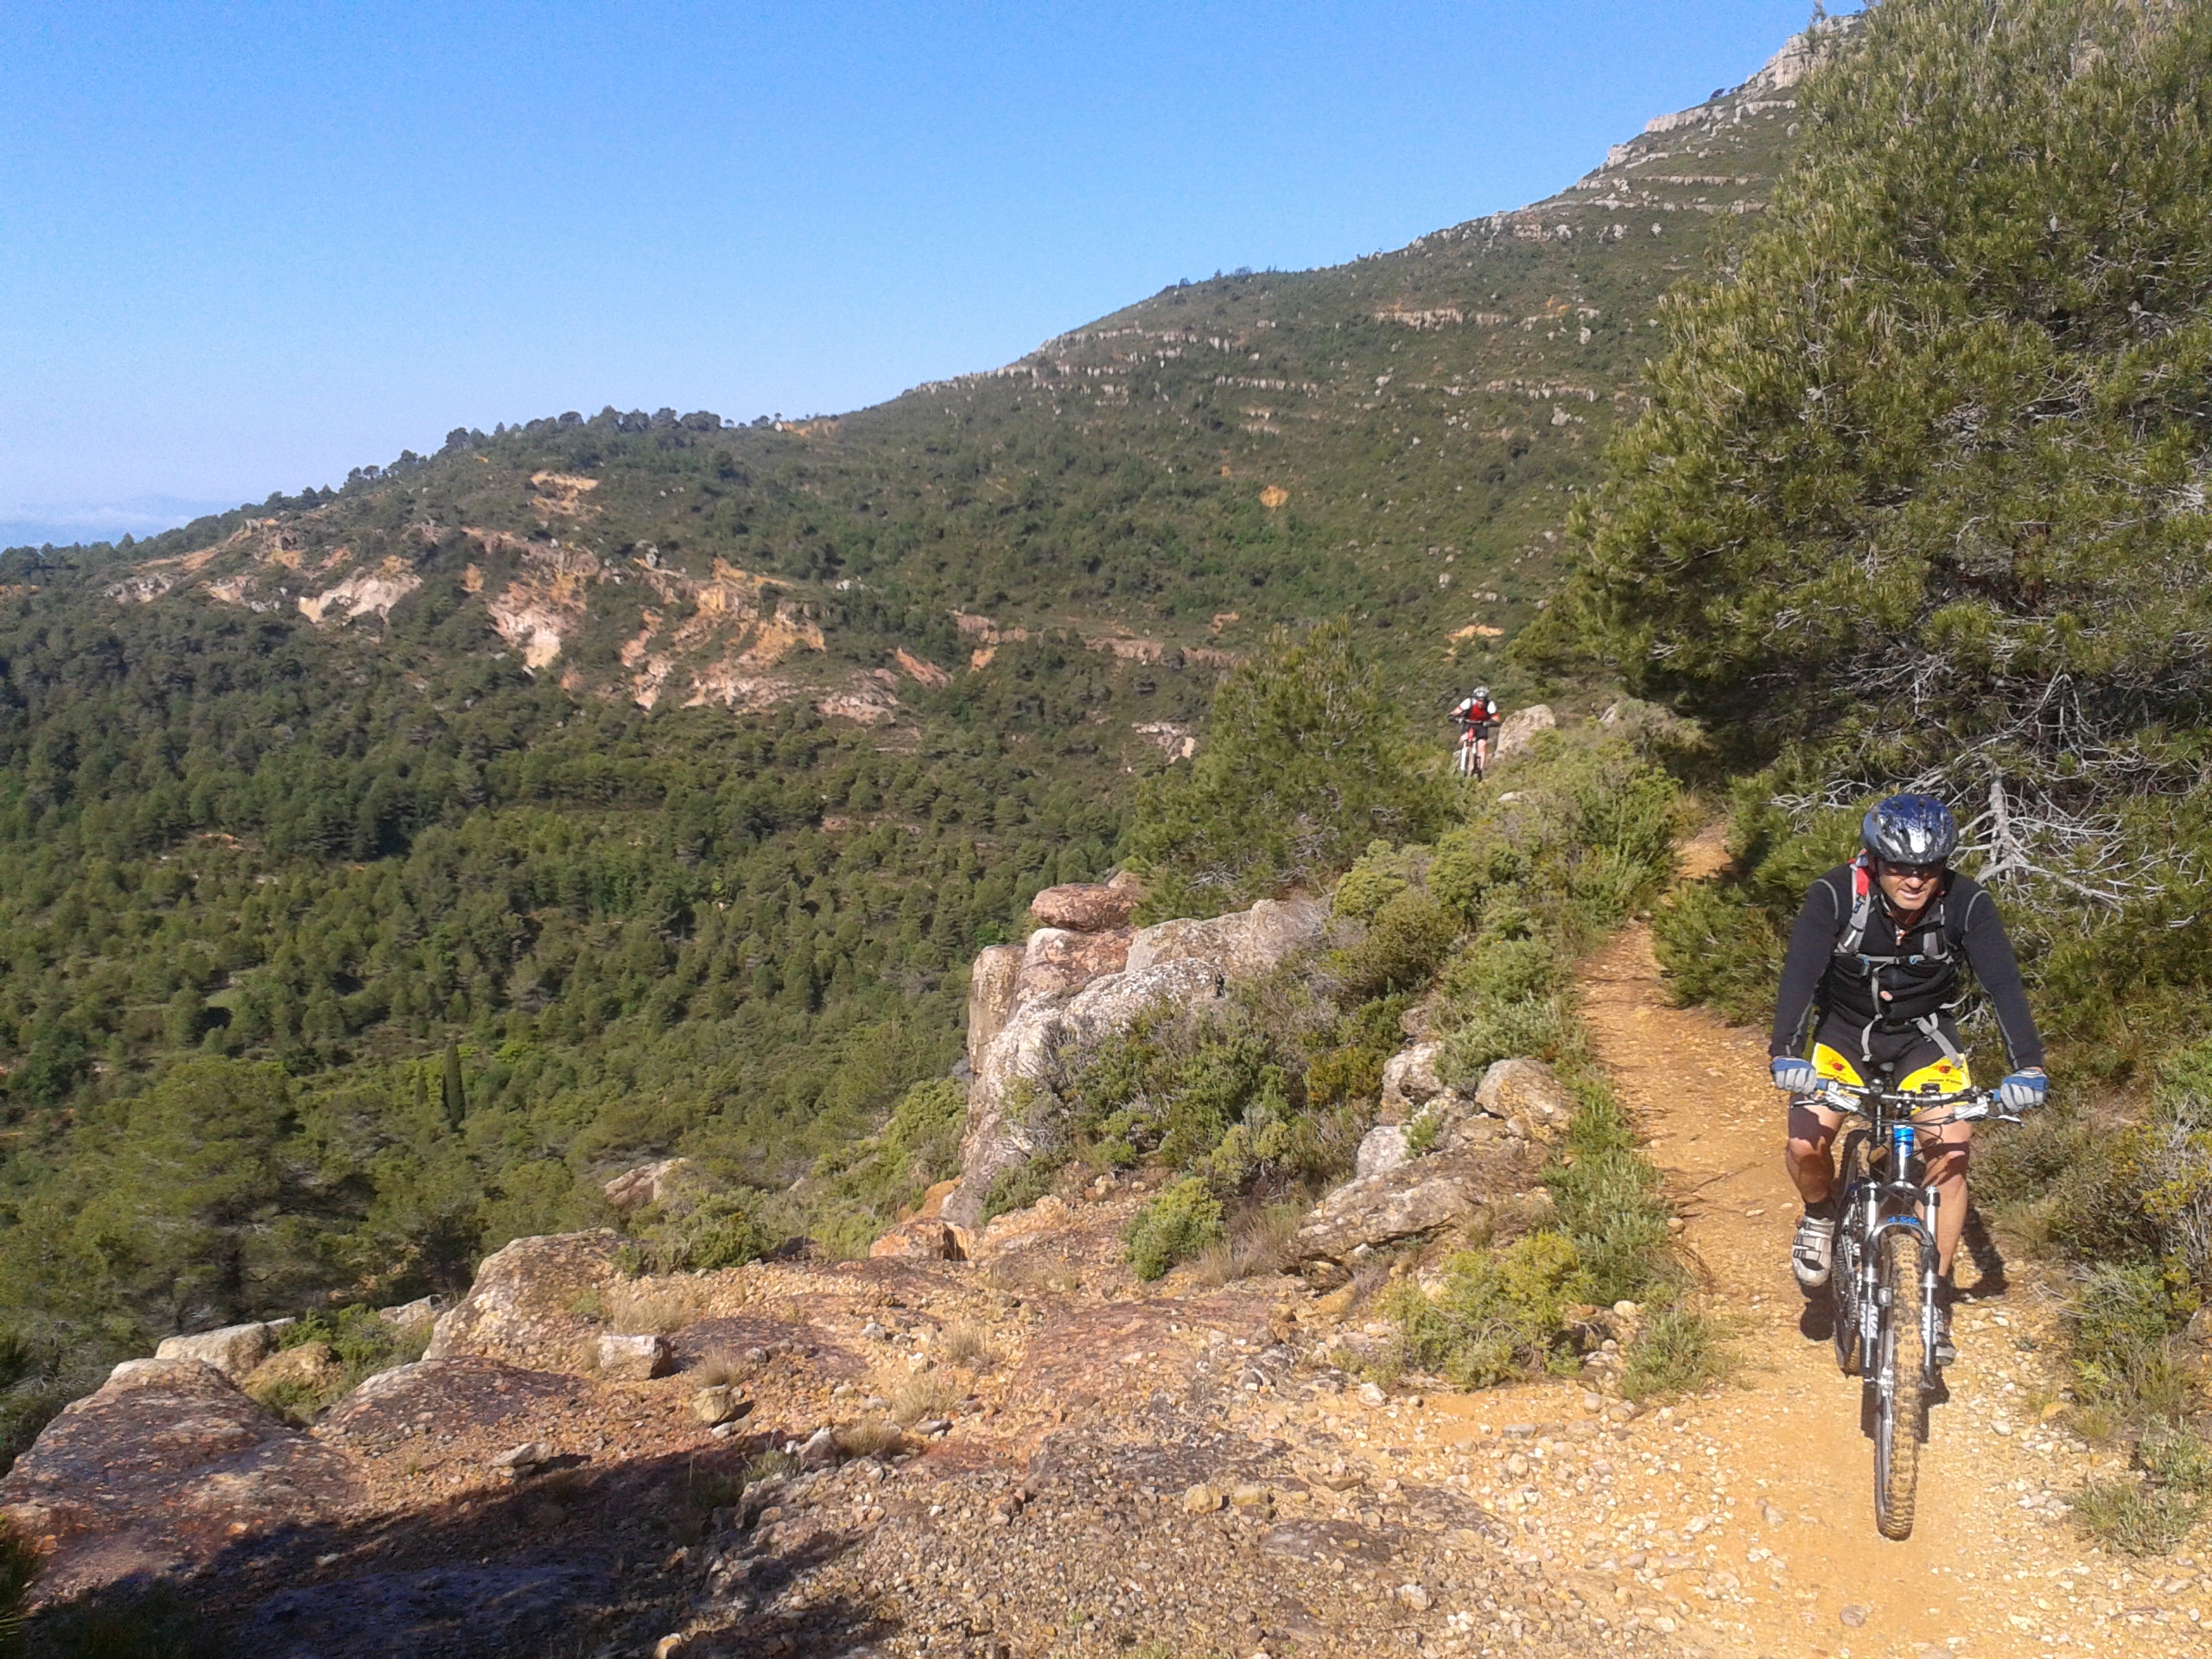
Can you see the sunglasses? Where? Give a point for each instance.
(1914, 872)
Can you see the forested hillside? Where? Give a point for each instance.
(387, 865)
(1920, 502)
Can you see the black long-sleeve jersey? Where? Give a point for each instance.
(1895, 979)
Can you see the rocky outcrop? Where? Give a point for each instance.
(1074, 988)
(456, 1395)
(1528, 1097)
(633, 1189)
(990, 997)
(234, 1349)
(519, 1308)
(1382, 1148)
(1243, 944)
(1519, 729)
(1408, 1200)
(158, 1471)
(1410, 1079)
(1030, 1049)
(1059, 962)
(1088, 906)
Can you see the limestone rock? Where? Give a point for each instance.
(1059, 963)
(521, 1457)
(518, 1309)
(449, 1394)
(1420, 1196)
(234, 1350)
(720, 1404)
(923, 1238)
(990, 996)
(1086, 906)
(1382, 1148)
(1527, 1094)
(634, 1359)
(1040, 1033)
(633, 1189)
(1202, 1500)
(1518, 730)
(151, 1474)
(423, 1310)
(1409, 1079)
(1243, 944)
(313, 1366)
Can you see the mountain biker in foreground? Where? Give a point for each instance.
(1875, 956)
(1477, 719)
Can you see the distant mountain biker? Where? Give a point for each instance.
(1477, 719)
(1873, 965)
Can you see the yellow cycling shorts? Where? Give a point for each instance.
(1947, 1074)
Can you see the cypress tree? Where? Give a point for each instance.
(456, 1097)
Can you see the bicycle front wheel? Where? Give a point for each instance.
(1901, 1407)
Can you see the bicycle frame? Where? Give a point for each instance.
(1874, 1208)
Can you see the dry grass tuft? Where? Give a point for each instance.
(965, 1344)
(922, 1397)
(717, 1368)
(653, 1308)
(870, 1437)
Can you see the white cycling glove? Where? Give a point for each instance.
(2023, 1090)
(1795, 1077)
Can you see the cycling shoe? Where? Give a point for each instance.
(1812, 1253)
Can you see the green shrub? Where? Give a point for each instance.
(2134, 1516)
(1494, 968)
(1679, 1351)
(695, 1231)
(1380, 875)
(1019, 1187)
(1172, 1226)
(2176, 1457)
(1719, 951)
(1497, 1313)
(2121, 1325)
(1612, 1204)
(1542, 1027)
(1410, 935)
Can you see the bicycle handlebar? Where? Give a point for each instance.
(1968, 1106)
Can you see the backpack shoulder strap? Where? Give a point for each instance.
(1862, 907)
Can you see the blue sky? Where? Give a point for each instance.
(247, 247)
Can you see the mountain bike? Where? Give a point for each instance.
(1884, 1281)
(1469, 761)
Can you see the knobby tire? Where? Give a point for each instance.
(1901, 1406)
(1843, 1271)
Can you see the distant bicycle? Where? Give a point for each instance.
(1885, 1279)
(1468, 763)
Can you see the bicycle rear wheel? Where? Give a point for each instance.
(1901, 1407)
(1843, 1273)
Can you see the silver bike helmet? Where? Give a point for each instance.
(1910, 829)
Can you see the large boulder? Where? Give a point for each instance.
(1528, 1096)
(1243, 944)
(1059, 963)
(518, 1310)
(160, 1470)
(1087, 906)
(1518, 729)
(1411, 1199)
(234, 1349)
(447, 1397)
(1031, 1049)
(1382, 1148)
(990, 996)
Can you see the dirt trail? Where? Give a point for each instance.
(1993, 1566)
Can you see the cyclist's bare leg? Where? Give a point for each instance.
(1947, 1172)
(1482, 754)
(1808, 1158)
